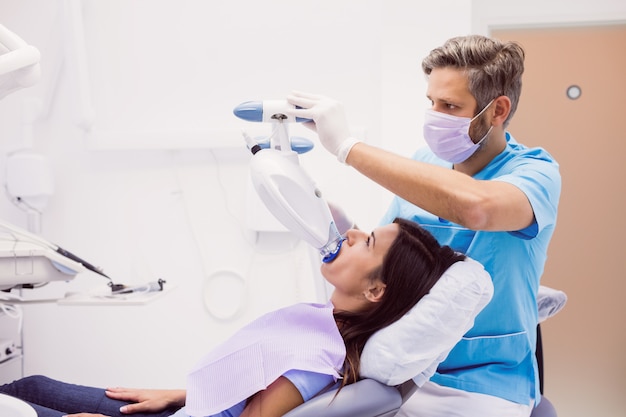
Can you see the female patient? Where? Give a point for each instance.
(377, 278)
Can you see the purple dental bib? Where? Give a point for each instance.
(302, 336)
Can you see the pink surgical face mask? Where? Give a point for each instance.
(448, 136)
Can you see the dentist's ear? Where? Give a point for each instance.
(502, 108)
(375, 293)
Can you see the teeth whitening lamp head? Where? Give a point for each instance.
(284, 186)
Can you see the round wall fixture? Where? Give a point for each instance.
(573, 92)
(224, 294)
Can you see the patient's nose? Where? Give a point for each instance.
(355, 235)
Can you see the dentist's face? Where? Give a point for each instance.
(361, 253)
(448, 91)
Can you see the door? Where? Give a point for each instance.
(573, 104)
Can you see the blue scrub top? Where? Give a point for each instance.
(496, 357)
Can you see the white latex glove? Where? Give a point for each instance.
(342, 221)
(331, 124)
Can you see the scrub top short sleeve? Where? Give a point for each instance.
(309, 383)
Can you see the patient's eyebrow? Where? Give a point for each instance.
(373, 240)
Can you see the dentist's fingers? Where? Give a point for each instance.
(330, 120)
(305, 95)
(304, 100)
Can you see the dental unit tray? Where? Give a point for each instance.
(28, 260)
(25, 264)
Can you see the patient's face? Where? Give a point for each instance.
(359, 256)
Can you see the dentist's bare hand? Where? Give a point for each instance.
(330, 121)
(147, 400)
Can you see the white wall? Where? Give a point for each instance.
(490, 14)
(173, 206)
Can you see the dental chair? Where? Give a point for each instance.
(549, 302)
(12, 407)
(370, 398)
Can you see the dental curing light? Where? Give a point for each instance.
(266, 111)
(283, 185)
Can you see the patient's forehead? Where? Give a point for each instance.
(384, 236)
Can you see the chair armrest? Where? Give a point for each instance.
(549, 302)
(365, 398)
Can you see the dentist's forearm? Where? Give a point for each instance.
(456, 197)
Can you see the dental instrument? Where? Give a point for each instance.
(283, 185)
(140, 289)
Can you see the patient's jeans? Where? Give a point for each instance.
(52, 398)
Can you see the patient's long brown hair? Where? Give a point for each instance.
(413, 264)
